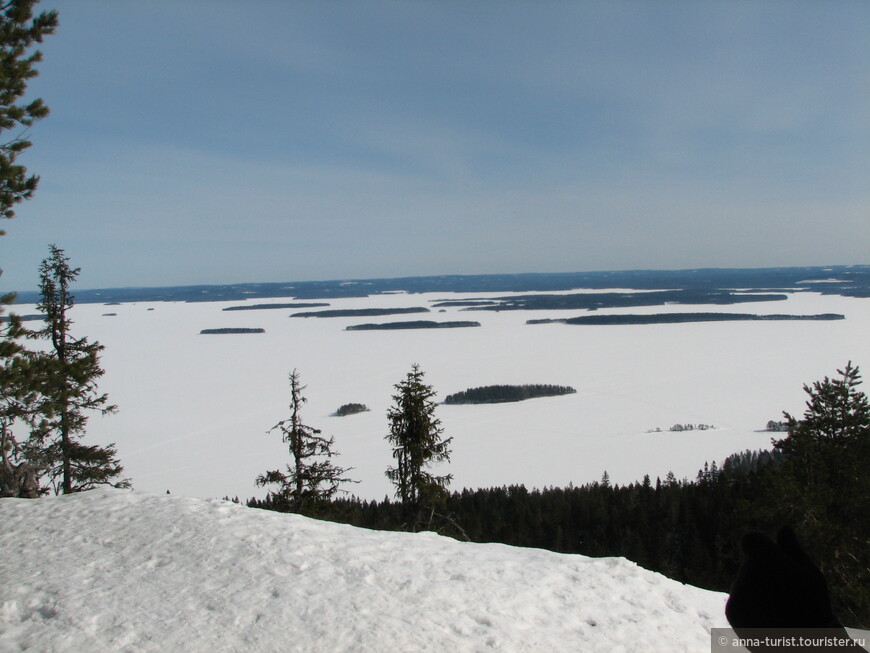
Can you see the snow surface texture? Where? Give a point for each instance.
(121, 570)
(194, 410)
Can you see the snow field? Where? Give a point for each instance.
(194, 409)
(120, 570)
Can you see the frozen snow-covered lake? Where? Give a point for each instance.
(194, 409)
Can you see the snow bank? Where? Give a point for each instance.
(118, 570)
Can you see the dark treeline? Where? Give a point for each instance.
(689, 530)
(492, 394)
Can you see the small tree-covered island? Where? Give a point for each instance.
(230, 330)
(495, 394)
(413, 324)
(361, 312)
(267, 307)
(351, 409)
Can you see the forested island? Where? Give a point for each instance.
(595, 301)
(678, 428)
(415, 324)
(225, 330)
(30, 317)
(494, 394)
(362, 312)
(351, 409)
(265, 307)
(681, 318)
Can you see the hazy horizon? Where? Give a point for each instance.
(340, 280)
(194, 143)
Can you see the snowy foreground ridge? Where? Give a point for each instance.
(120, 570)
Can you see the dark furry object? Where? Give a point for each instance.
(778, 586)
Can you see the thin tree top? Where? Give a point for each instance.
(55, 278)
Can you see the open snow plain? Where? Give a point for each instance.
(194, 409)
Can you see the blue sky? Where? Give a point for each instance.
(275, 140)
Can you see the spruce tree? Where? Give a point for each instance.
(311, 479)
(19, 30)
(19, 403)
(66, 378)
(824, 486)
(835, 426)
(416, 438)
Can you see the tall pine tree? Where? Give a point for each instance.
(416, 438)
(824, 486)
(311, 479)
(66, 379)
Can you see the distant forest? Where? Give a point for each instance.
(682, 318)
(493, 394)
(846, 280)
(689, 530)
